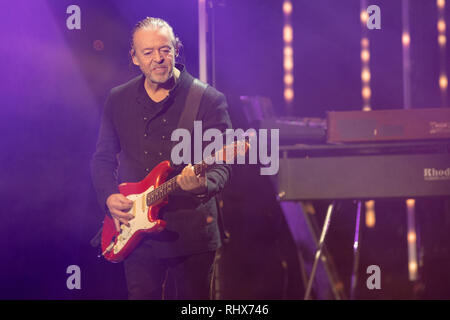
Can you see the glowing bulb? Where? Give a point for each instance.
(370, 205)
(365, 55)
(406, 40)
(364, 42)
(288, 65)
(370, 219)
(412, 266)
(443, 82)
(287, 34)
(367, 108)
(365, 75)
(411, 237)
(287, 7)
(288, 94)
(287, 51)
(366, 93)
(440, 4)
(442, 40)
(288, 79)
(441, 26)
(364, 16)
(410, 203)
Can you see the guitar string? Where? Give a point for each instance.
(171, 185)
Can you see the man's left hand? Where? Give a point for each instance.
(189, 181)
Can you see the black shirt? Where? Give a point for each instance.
(135, 136)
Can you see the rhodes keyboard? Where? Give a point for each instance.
(364, 171)
(297, 130)
(388, 125)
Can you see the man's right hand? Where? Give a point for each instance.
(118, 206)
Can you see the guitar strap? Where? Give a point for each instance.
(188, 116)
(186, 121)
(192, 104)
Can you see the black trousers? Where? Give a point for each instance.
(188, 277)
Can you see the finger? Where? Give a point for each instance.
(190, 181)
(180, 180)
(122, 206)
(184, 183)
(125, 200)
(184, 172)
(188, 170)
(117, 224)
(120, 214)
(192, 171)
(125, 207)
(124, 221)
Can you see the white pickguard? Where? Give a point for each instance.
(140, 221)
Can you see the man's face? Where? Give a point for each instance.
(154, 54)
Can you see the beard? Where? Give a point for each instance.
(158, 76)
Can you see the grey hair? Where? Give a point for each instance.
(154, 24)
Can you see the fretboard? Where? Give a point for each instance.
(171, 185)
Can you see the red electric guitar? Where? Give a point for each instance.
(148, 196)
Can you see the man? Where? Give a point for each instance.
(138, 119)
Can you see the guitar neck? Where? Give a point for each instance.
(171, 185)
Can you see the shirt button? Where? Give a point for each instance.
(145, 152)
(164, 120)
(163, 137)
(145, 135)
(160, 153)
(145, 118)
(147, 169)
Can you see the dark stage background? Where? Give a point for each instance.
(54, 82)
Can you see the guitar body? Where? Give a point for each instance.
(149, 196)
(116, 246)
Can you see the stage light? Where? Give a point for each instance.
(406, 40)
(287, 34)
(442, 41)
(288, 65)
(370, 219)
(288, 94)
(365, 75)
(364, 43)
(370, 214)
(287, 51)
(287, 7)
(412, 236)
(364, 17)
(441, 25)
(288, 79)
(288, 56)
(443, 82)
(412, 267)
(366, 93)
(365, 55)
(411, 239)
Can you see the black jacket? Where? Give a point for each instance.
(135, 136)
